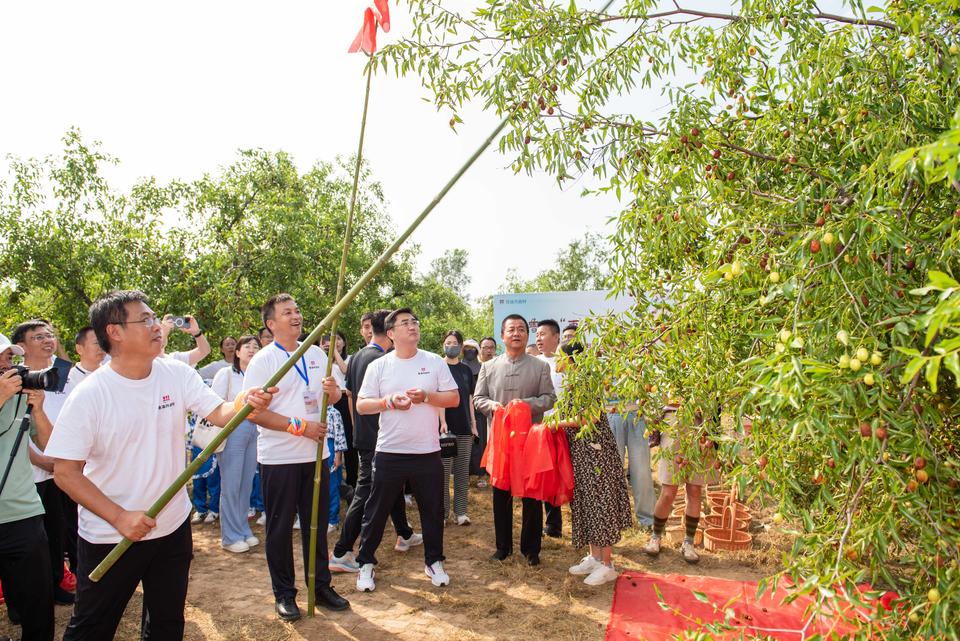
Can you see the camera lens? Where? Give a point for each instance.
(45, 379)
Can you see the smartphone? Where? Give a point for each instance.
(180, 321)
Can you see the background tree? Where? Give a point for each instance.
(777, 237)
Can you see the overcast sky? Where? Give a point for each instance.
(174, 89)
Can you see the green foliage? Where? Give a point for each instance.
(216, 247)
(779, 213)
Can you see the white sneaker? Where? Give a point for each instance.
(262, 520)
(331, 528)
(688, 553)
(296, 523)
(408, 499)
(197, 518)
(653, 546)
(602, 574)
(252, 540)
(405, 544)
(238, 547)
(463, 519)
(438, 576)
(251, 514)
(212, 517)
(345, 563)
(365, 578)
(587, 565)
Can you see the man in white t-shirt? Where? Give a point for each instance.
(118, 445)
(289, 435)
(408, 388)
(548, 340)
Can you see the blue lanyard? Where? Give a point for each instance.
(304, 373)
(377, 347)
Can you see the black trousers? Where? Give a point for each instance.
(353, 521)
(479, 445)
(531, 531)
(554, 516)
(52, 499)
(162, 565)
(351, 459)
(287, 493)
(70, 530)
(424, 472)
(25, 575)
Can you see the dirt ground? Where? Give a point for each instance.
(230, 597)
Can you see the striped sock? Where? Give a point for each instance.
(659, 526)
(690, 524)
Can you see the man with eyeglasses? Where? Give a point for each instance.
(118, 445)
(408, 388)
(39, 343)
(24, 554)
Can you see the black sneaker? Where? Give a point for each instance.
(533, 560)
(499, 555)
(287, 609)
(552, 532)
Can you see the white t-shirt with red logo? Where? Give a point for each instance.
(280, 448)
(130, 433)
(416, 430)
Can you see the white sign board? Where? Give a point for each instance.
(567, 308)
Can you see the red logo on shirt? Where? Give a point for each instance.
(165, 402)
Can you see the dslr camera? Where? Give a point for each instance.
(51, 379)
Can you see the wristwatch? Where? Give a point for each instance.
(198, 334)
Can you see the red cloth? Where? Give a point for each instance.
(637, 614)
(549, 468)
(366, 40)
(503, 459)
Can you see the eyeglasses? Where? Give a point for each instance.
(410, 322)
(149, 321)
(39, 338)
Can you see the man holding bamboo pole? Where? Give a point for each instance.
(290, 434)
(117, 443)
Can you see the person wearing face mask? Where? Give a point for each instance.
(460, 422)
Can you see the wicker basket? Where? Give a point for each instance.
(727, 537)
(718, 521)
(676, 533)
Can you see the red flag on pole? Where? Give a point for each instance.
(383, 14)
(366, 40)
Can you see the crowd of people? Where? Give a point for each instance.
(401, 421)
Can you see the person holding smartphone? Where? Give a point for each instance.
(188, 325)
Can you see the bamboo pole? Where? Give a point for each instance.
(318, 471)
(334, 313)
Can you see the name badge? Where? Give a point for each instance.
(311, 404)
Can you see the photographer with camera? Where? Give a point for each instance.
(39, 344)
(117, 447)
(188, 325)
(24, 555)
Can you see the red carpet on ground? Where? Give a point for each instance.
(637, 614)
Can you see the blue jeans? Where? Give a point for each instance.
(333, 513)
(238, 463)
(206, 483)
(256, 494)
(628, 431)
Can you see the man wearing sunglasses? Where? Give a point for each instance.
(118, 444)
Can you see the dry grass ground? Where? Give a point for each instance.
(230, 597)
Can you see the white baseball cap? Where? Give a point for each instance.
(5, 344)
